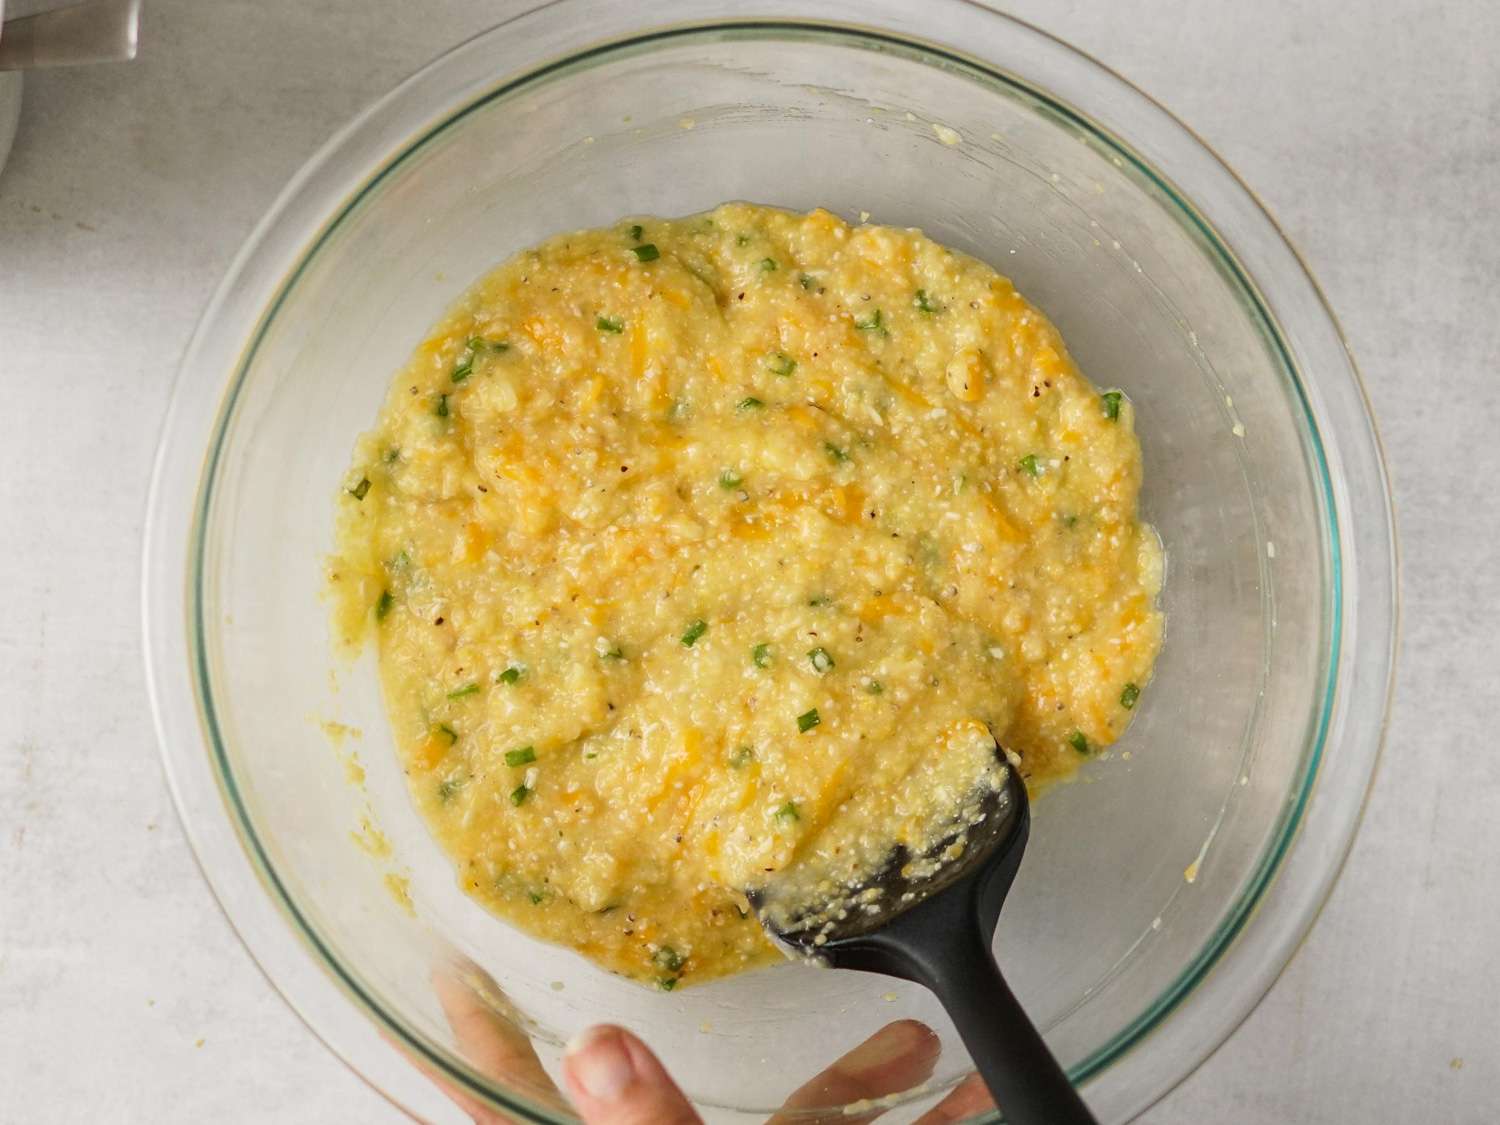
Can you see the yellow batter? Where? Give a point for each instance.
(709, 549)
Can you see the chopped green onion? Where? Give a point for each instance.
(445, 732)
(875, 323)
(1078, 742)
(467, 689)
(616, 653)
(666, 984)
(609, 324)
(768, 264)
(781, 364)
(518, 797)
(924, 303)
(729, 478)
(441, 409)
(449, 789)
(807, 281)
(1129, 696)
(693, 632)
(647, 253)
(1112, 405)
(383, 605)
(668, 958)
(788, 811)
(636, 231)
(536, 897)
(807, 720)
(1070, 521)
(359, 490)
(839, 455)
(479, 344)
(751, 403)
(464, 369)
(741, 239)
(875, 687)
(392, 455)
(521, 757)
(818, 600)
(510, 675)
(741, 757)
(1030, 465)
(820, 660)
(761, 655)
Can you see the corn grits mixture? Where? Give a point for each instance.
(704, 550)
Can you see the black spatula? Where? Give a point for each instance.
(935, 928)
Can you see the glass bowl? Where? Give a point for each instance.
(1162, 892)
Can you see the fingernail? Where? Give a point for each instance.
(599, 1063)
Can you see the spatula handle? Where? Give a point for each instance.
(948, 956)
(1028, 1085)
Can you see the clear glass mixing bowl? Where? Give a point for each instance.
(1161, 894)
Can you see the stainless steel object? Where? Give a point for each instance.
(90, 32)
(10, 112)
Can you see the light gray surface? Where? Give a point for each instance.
(1369, 128)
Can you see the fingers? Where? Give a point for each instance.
(897, 1057)
(616, 1080)
(969, 1099)
(476, 1109)
(490, 1042)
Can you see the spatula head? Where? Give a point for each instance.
(979, 855)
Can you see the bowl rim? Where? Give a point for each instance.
(182, 481)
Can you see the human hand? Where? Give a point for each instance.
(612, 1078)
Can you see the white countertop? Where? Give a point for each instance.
(1370, 129)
